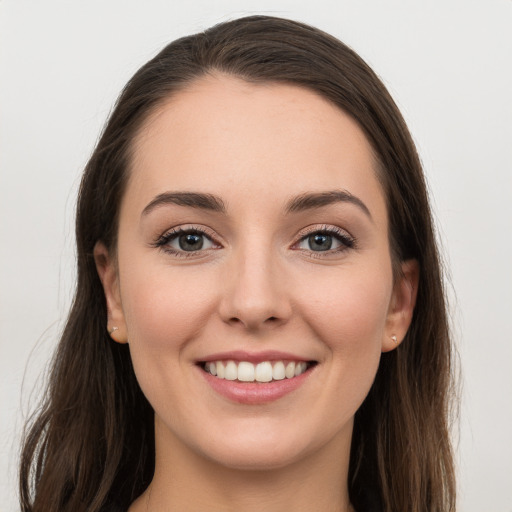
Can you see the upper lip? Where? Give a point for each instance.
(253, 357)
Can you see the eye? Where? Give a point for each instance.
(318, 242)
(182, 241)
(323, 240)
(190, 241)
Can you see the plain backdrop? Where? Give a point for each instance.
(447, 63)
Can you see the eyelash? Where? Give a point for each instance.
(346, 240)
(164, 240)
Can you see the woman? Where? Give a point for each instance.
(259, 318)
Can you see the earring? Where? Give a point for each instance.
(111, 331)
(394, 340)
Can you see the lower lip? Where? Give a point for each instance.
(255, 392)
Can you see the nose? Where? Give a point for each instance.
(255, 293)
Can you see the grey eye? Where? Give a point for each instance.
(192, 241)
(319, 241)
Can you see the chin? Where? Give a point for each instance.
(267, 447)
(257, 457)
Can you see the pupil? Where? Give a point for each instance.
(191, 242)
(320, 242)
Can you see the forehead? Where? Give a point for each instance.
(273, 139)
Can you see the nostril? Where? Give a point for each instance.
(234, 320)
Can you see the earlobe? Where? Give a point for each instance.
(107, 272)
(402, 304)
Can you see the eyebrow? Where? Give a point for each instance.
(313, 200)
(303, 202)
(192, 199)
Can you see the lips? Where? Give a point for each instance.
(255, 378)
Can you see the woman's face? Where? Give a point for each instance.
(253, 238)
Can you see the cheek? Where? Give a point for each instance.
(348, 310)
(164, 309)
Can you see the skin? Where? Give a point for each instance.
(257, 286)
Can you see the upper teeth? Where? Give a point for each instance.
(265, 371)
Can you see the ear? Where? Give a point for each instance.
(401, 307)
(107, 271)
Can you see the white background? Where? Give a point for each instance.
(447, 63)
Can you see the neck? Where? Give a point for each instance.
(187, 481)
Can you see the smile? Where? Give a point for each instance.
(265, 371)
(255, 378)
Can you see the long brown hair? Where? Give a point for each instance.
(91, 448)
